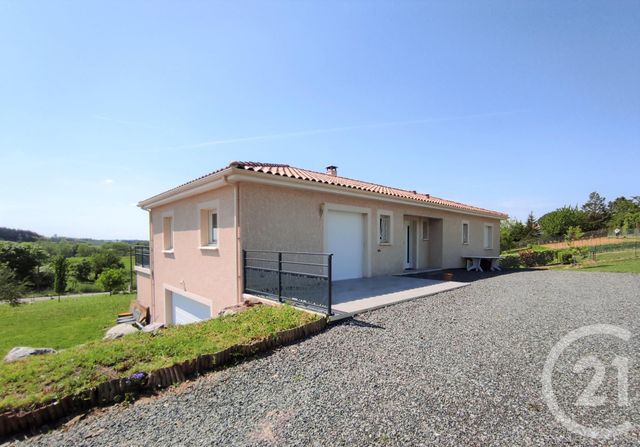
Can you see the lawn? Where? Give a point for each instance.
(621, 261)
(44, 378)
(63, 324)
(621, 265)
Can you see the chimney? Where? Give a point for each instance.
(332, 170)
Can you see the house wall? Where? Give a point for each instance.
(287, 219)
(209, 275)
(143, 288)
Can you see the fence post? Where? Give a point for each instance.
(329, 276)
(280, 276)
(130, 269)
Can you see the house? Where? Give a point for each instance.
(292, 232)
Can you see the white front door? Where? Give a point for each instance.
(409, 247)
(345, 239)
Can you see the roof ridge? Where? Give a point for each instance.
(365, 181)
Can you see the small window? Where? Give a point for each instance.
(465, 233)
(488, 236)
(213, 227)
(385, 229)
(167, 232)
(425, 230)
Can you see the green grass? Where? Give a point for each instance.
(44, 378)
(624, 266)
(620, 261)
(58, 325)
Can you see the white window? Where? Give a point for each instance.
(209, 224)
(425, 230)
(488, 236)
(465, 233)
(167, 233)
(213, 227)
(385, 229)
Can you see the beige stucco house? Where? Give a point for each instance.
(205, 232)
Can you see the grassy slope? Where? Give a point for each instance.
(61, 324)
(622, 261)
(43, 378)
(613, 265)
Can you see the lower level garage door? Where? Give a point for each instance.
(185, 310)
(345, 239)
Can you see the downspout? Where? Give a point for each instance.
(239, 267)
(153, 276)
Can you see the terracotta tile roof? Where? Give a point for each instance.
(283, 170)
(318, 177)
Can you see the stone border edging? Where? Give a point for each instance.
(16, 421)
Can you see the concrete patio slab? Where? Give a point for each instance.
(354, 296)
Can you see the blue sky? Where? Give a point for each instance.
(510, 105)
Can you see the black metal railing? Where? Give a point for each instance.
(141, 254)
(302, 278)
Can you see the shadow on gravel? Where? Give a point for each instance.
(462, 275)
(359, 323)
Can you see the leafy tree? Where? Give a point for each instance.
(119, 248)
(624, 213)
(82, 270)
(512, 231)
(105, 259)
(113, 280)
(85, 250)
(22, 258)
(532, 230)
(573, 234)
(60, 266)
(10, 287)
(556, 223)
(596, 212)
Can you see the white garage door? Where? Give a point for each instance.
(345, 239)
(185, 310)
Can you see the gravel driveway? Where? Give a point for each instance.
(459, 368)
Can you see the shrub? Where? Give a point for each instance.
(510, 262)
(566, 256)
(82, 270)
(105, 260)
(113, 280)
(531, 258)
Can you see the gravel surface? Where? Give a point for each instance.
(459, 368)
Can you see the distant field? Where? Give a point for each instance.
(590, 242)
(63, 324)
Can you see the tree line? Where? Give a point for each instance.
(570, 222)
(63, 266)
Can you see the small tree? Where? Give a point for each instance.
(113, 280)
(60, 266)
(82, 270)
(573, 234)
(105, 259)
(10, 287)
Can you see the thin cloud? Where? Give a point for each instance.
(329, 130)
(108, 182)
